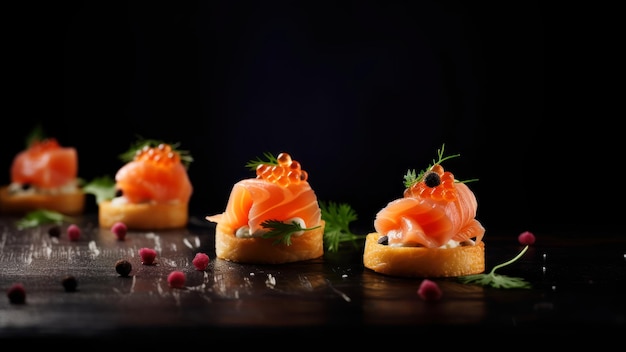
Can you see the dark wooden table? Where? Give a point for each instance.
(579, 289)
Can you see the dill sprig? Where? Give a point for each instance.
(282, 231)
(270, 159)
(337, 228)
(37, 134)
(496, 280)
(129, 155)
(412, 177)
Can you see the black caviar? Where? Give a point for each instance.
(432, 179)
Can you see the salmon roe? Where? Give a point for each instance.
(161, 154)
(288, 171)
(44, 145)
(436, 184)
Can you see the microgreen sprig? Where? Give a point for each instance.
(41, 217)
(282, 231)
(496, 280)
(337, 228)
(270, 159)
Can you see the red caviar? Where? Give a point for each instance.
(288, 171)
(442, 189)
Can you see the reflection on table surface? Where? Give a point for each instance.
(577, 283)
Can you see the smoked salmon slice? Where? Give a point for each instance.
(435, 210)
(45, 164)
(280, 192)
(254, 201)
(155, 174)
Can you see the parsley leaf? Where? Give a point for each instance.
(40, 217)
(498, 281)
(337, 229)
(103, 188)
(283, 231)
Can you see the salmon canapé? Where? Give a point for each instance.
(436, 211)
(156, 174)
(45, 165)
(280, 193)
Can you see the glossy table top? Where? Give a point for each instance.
(577, 284)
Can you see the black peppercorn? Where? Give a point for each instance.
(123, 267)
(54, 231)
(17, 294)
(69, 283)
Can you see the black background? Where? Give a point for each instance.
(357, 92)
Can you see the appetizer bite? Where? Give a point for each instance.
(150, 192)
(44, 176)
(431, 231)
(271, 219)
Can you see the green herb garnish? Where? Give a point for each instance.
(270, 160)
(103, 188)
(337, 228)
(412, 177)
(36, 135)
(283, 231)
(495, 280)
(41, 217)
(129, 155)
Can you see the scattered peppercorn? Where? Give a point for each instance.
(69, 283)
(429, 291)
(119, 229)
(17, 294)
(73, 232)
(526, 238)
(123, 267)
(147, 256)
(176, 279)
(54, 231)
(201, 261)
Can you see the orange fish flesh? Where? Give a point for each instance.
(253, 201)
(431, 216)
(156, 174)
(46, 165)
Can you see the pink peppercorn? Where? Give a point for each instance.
(73, 232)
(429, 291)
(119, 229)
(17, 294)
(201, 261)
(526, 238)
(176, 279)
(147, 256)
